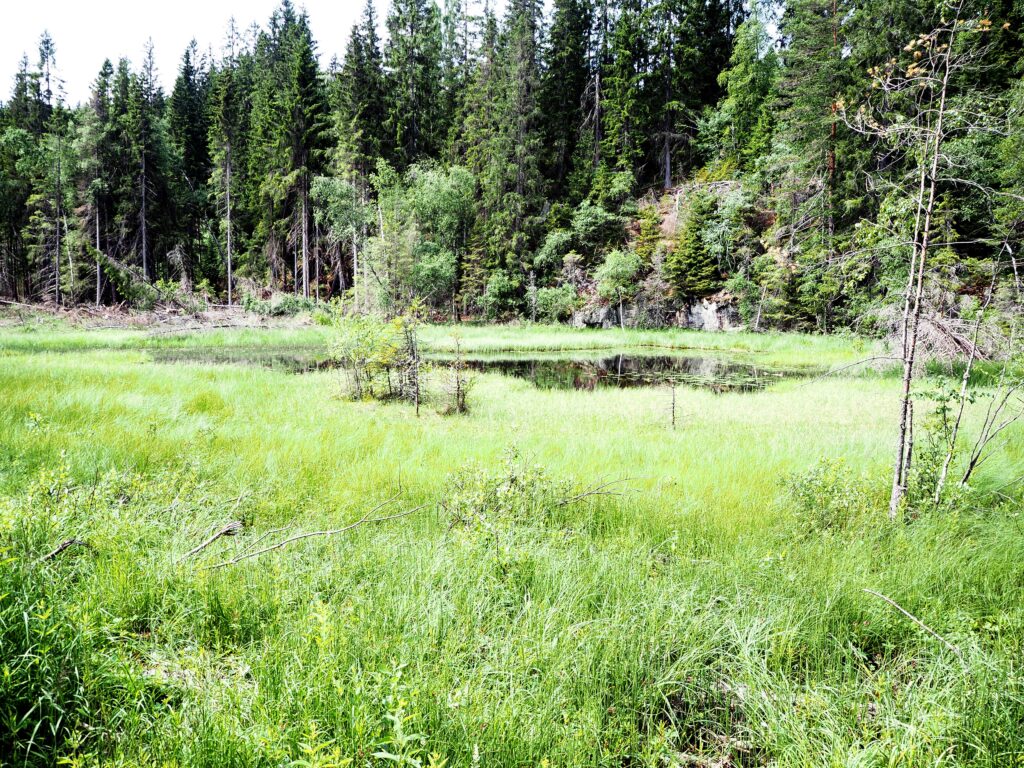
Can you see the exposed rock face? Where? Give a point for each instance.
(596, 317)
(714, 313)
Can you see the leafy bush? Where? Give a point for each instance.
(433, 274)
(551, 253)
(555, 305)
(486, 502)
(279, 305)
(379, 357)
(828, 497)
(501, 297)
(617, 276)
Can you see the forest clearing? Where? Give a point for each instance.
(568, 577)
(512, 384)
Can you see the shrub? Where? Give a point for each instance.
(486, 502)
(552, 252)
(555, 305)
(828, 498)
(279, 305)
(501, 297)
(379, 357)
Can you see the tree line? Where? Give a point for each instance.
(640, 153)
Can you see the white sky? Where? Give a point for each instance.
(87, 32)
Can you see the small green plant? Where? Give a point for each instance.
(485, 503)
(828, 497)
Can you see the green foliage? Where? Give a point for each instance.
(501, 297)
(514, 139)
(378, 357)
(617, 276)
(279, 305)
(434, 273)
(741, 128)
(540, 615)
(649, 235)
(46, 661)
(556, 305)
(828, 498)
(594, 228)
(691, 267)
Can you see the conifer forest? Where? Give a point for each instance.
(517, 384)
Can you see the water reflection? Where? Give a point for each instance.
(718, 373)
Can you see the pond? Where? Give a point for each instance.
(566, 371)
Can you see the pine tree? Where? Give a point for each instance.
(414, 76)
(563, 88)
(360, 110)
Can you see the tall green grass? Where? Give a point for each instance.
(709, 615)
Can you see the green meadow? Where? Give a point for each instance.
(567, 580)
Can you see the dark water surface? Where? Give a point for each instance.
(719, 373)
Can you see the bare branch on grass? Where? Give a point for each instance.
(364, 520)
(917, 621)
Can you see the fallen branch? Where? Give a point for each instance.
(60, 550)
(917, 621)
(364, 520)
(262, 538)
(596, 491)
(834, 371)
(230, 529)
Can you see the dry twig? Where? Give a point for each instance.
(60, 550)
(916, 620)
(365, 519)
(230, 529)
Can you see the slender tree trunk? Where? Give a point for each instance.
(912, 317)
(227, 191)
(305, 241)
(142, 220)
(99, 271)
(355, 273)
(57, 221)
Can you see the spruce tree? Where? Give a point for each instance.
(413, 56)
(360, 109)
(189, 123)
(690, 267)
(566, 76)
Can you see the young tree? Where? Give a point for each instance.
(922, 105)
(690, 267)
(617, 279)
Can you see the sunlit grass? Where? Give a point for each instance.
(698, 617)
